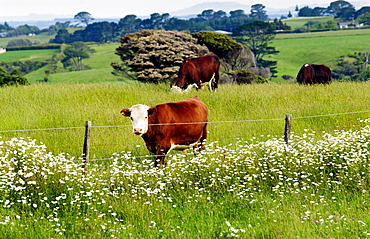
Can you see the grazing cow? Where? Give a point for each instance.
(174, 125)
(198, 71)
(314, 74)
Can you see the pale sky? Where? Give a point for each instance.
(121, 8)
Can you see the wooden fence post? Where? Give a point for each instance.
(288, 121)
(86, 149)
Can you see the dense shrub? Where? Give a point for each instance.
(155, 56)
(14, 78)
(246, 77)
(234, 56)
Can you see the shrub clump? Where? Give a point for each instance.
(246, 77)
(155, 55)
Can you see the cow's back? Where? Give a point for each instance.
(322, 73)
(179, 122)
(306, 74)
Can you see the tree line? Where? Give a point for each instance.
(341, 10)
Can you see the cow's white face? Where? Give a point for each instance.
(139, 118)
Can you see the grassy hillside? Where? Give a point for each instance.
(28, 55)
(41, 38)
(318, 47)
(100, 68)
(297, 22)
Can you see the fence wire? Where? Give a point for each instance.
(209, 122)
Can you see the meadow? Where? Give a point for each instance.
(317, 48)
(247, 183)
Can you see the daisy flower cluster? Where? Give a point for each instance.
(33, 180)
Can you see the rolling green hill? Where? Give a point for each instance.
(317, 47)
(297, 22)
(295, 50)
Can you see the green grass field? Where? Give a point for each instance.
(43, 106)
(297, 22)
(246, 184)
(243, 185)
(317, 48)
(41, 38)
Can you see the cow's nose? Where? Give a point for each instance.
(138, 130)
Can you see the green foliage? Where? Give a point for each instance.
(217, 43)
(23, 30)
(353, 67)
(14, 78)
(364, 74)
(258, 12)
(74, 54)
(24, 67)
(84, 17)
(19, 42)
(257, 36)
(246, 77)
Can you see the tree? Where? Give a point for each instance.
(84, 17)
(155, 55)
(257, 36)
(19, 42)
(362, 11)
(63, 36)
(364, 18)
(207, 14)
(336, 7)
(98, 32)
(74, 54)
(14, 78)
(233, 55)
(258, 12)
(130, 23)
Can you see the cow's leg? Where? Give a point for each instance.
(203, 138)
(161, 155)
(216, 78)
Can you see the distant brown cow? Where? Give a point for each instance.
(174, 125)
(198, 71)
(314, 74)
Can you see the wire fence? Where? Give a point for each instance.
(209, 122)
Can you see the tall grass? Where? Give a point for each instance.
(234, 112)
(315, 188)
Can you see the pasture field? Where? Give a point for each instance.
(100, 68)
(263, 107)
(243, 185)
(42, 38)
(297, 22)
(28, 55)
(317, 48)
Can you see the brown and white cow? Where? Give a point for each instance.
(314, 74)
(174, 125)
(198, 71)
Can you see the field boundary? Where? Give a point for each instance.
(209, 122)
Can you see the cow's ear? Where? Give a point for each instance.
(151, 110)
(126, 112)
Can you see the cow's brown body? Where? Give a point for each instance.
(198, 71)
(314, 74)
(174, 125)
